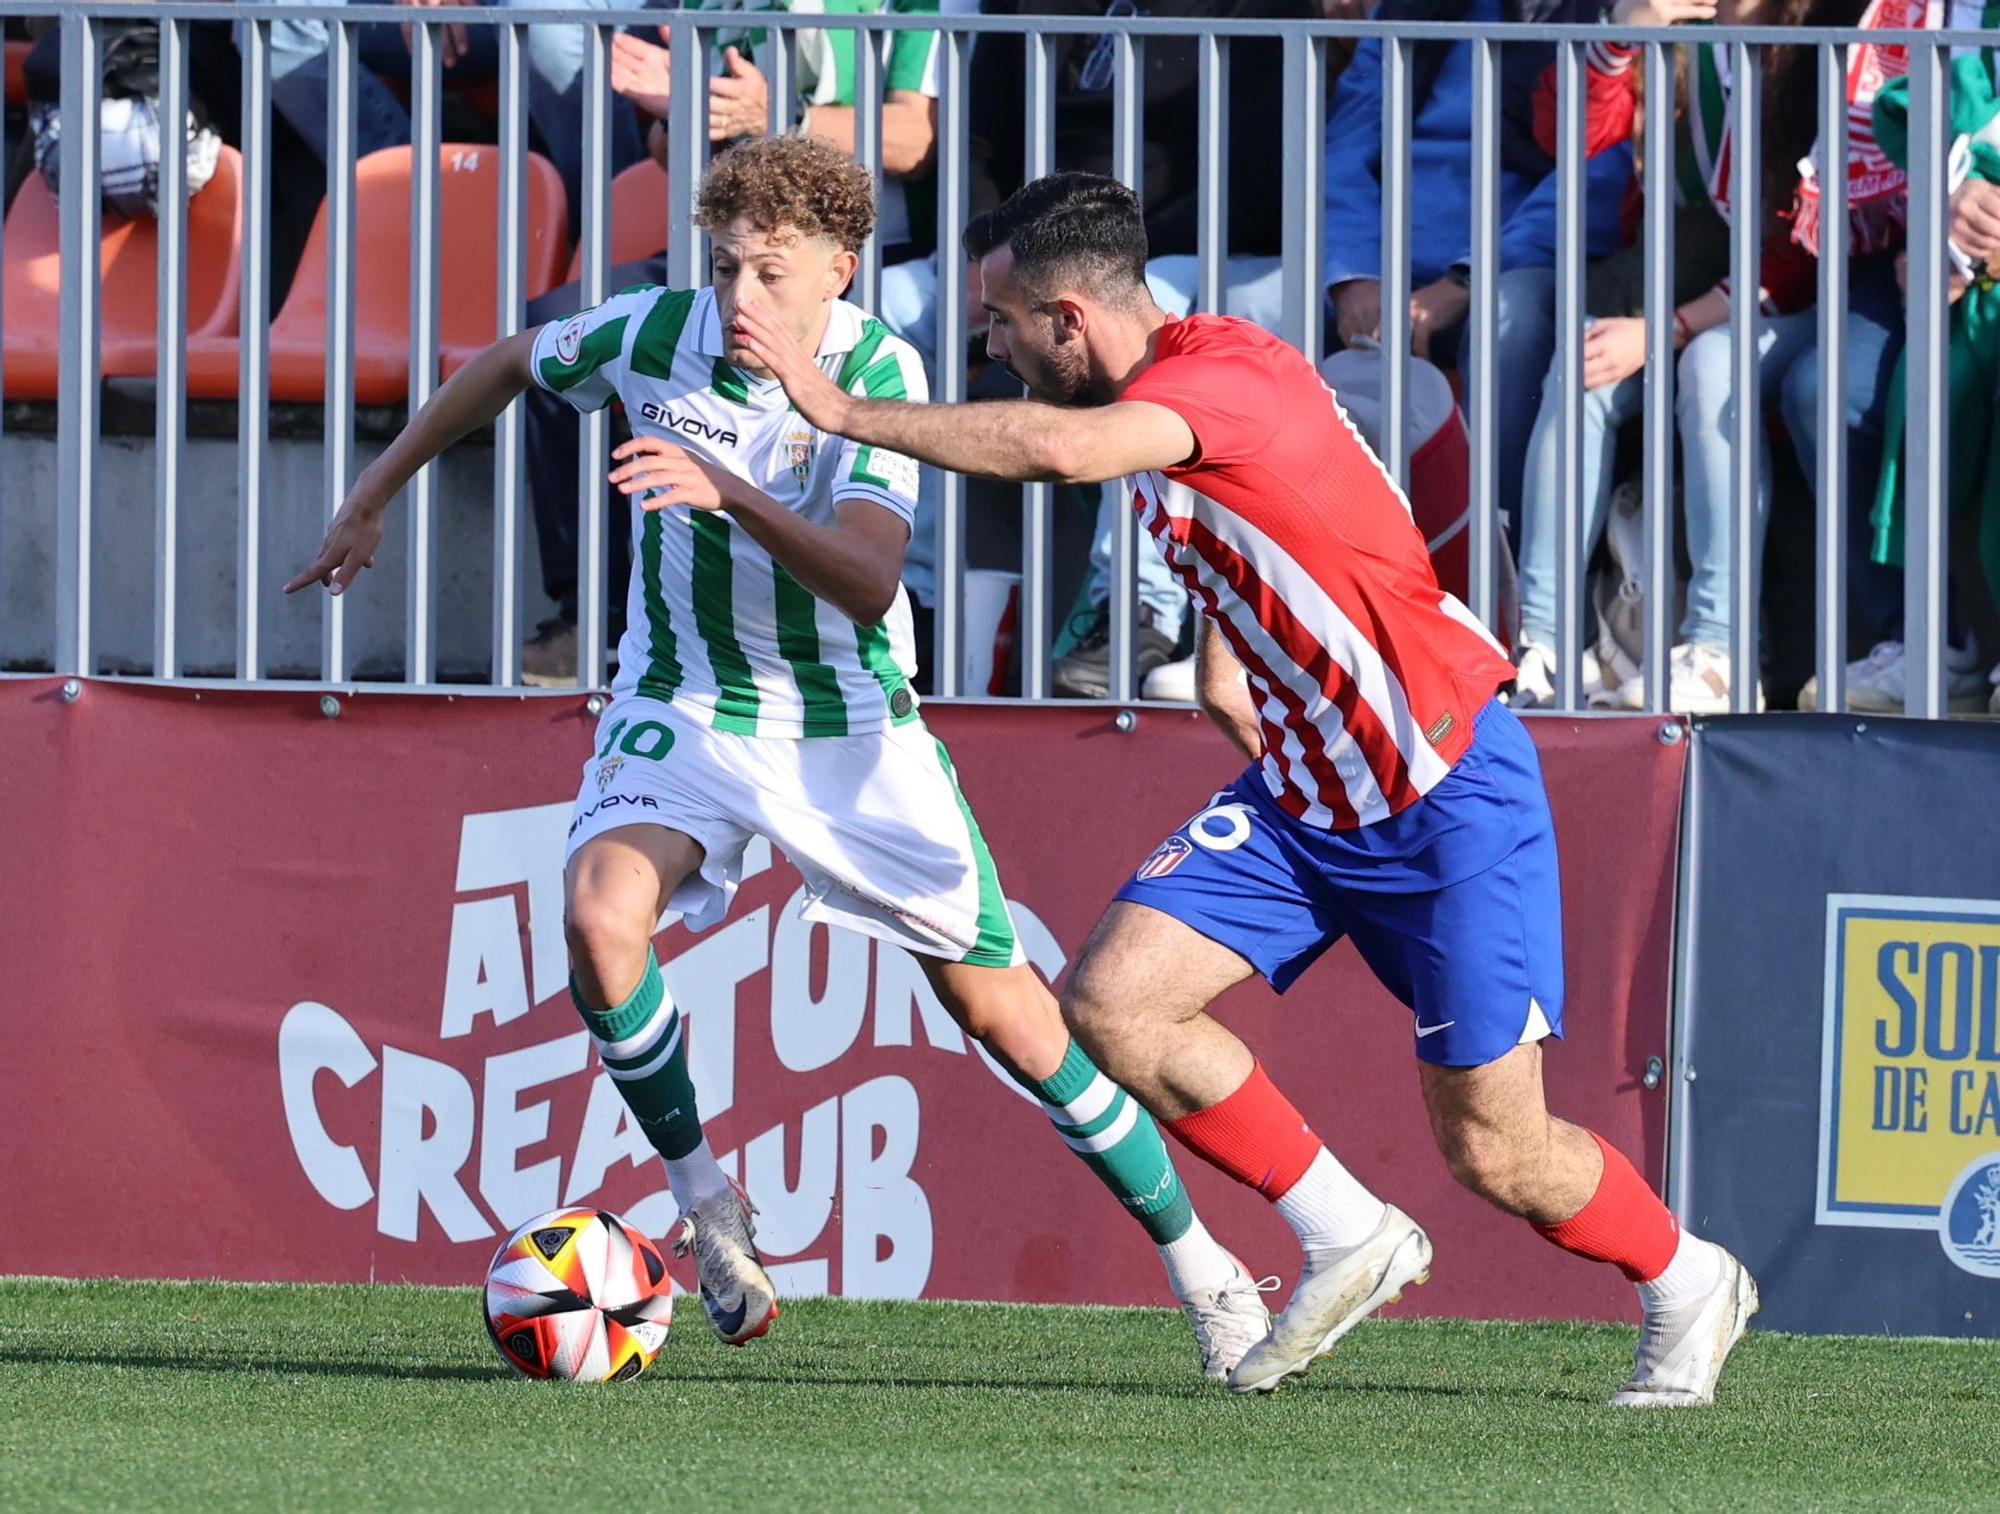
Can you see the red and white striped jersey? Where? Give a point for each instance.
(1294, 540)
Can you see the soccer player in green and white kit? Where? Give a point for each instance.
(763, 689)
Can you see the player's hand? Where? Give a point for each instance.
(1661, 12)
(739, 101)
(1613, 350)
(1435, 309)
(454, 41)
(349, 547)
(642, 72)
(816, 397)
(662, 474)
(1357, 310)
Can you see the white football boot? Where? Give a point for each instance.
(1229, 1320)
(1681, 1354)
(1332, 1300)
(737, 1292)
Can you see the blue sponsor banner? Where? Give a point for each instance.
(1837, 1066)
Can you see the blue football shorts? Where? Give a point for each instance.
(1454, 903)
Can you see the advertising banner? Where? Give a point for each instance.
(1840, 1084)
(286, 998)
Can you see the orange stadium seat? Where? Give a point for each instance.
(18, 49)
(128, 255)
(468, 229)
(639, 208)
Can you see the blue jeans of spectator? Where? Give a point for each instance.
(1705, 407)
(1525, 334)
(555, 55)
(1605, 410)
(1874, 340)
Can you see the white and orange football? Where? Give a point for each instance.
(578, 1294)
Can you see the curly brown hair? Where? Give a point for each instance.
(802, 185)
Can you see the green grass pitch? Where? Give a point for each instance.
(212, 1396)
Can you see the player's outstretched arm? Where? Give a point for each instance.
(1019, 440)
(854, 566)
(468, 400)
(1221, 691)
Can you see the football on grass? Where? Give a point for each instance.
(578, 1294)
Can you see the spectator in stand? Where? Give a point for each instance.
(555, 72)
(1083, 68)
(1875, 327)
(1705, 403)
(739, 107)
(1440, 197)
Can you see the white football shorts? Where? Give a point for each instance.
(875, 823)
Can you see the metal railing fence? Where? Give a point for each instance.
(1304, 170)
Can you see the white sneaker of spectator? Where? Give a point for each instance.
(1171, 681)
(1877, 684)
(1604, 687)
(1702, 681)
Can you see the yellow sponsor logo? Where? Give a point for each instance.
(1910, 1074)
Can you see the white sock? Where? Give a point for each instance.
(1196, 1262)
(1328, 1208)
(1690, 1276)
(695, 1177)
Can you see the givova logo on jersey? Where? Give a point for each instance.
(1910, 1071)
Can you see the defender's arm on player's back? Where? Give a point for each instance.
(469, 399)
(1019, 440)
(854, 566)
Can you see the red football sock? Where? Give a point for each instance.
(1624, 1223)
(1255, 1135)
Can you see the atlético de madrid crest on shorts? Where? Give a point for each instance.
(1171, 854)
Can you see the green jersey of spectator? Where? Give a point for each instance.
(825, 74)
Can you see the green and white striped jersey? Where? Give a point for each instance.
(826, 73)
(712, 623)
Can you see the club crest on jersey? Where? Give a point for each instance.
(1171, 854)
(608, 770)
(799, 445)
(569, 341)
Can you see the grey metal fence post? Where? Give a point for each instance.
(253, 363)
(1830, 536)
(1662, 361)
(1927, 445)
(594, 239)
(77, 401)
(1396, 276)
(170, 369)
(1572, 190)
(510, 317)
(954, 49)
(1746, 256)
(426, 146)
(1037, 617)
(341, 146)
(1128, 165)
(1482, 398)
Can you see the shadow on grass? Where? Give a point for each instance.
(671, 1370)
(158, 1361)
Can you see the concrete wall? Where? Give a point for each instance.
(294, 523)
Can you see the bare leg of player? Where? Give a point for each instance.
(1011, 1012)
(1493, 1125)
(616, 889)
(1138, 1001)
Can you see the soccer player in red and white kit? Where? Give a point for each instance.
(1390, 797)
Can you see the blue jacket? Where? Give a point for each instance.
(1441, 153)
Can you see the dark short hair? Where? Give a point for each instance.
(1075, 230)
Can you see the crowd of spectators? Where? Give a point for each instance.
(1708, 192)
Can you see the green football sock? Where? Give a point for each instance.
(641, 1044)
(1118, 1141)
